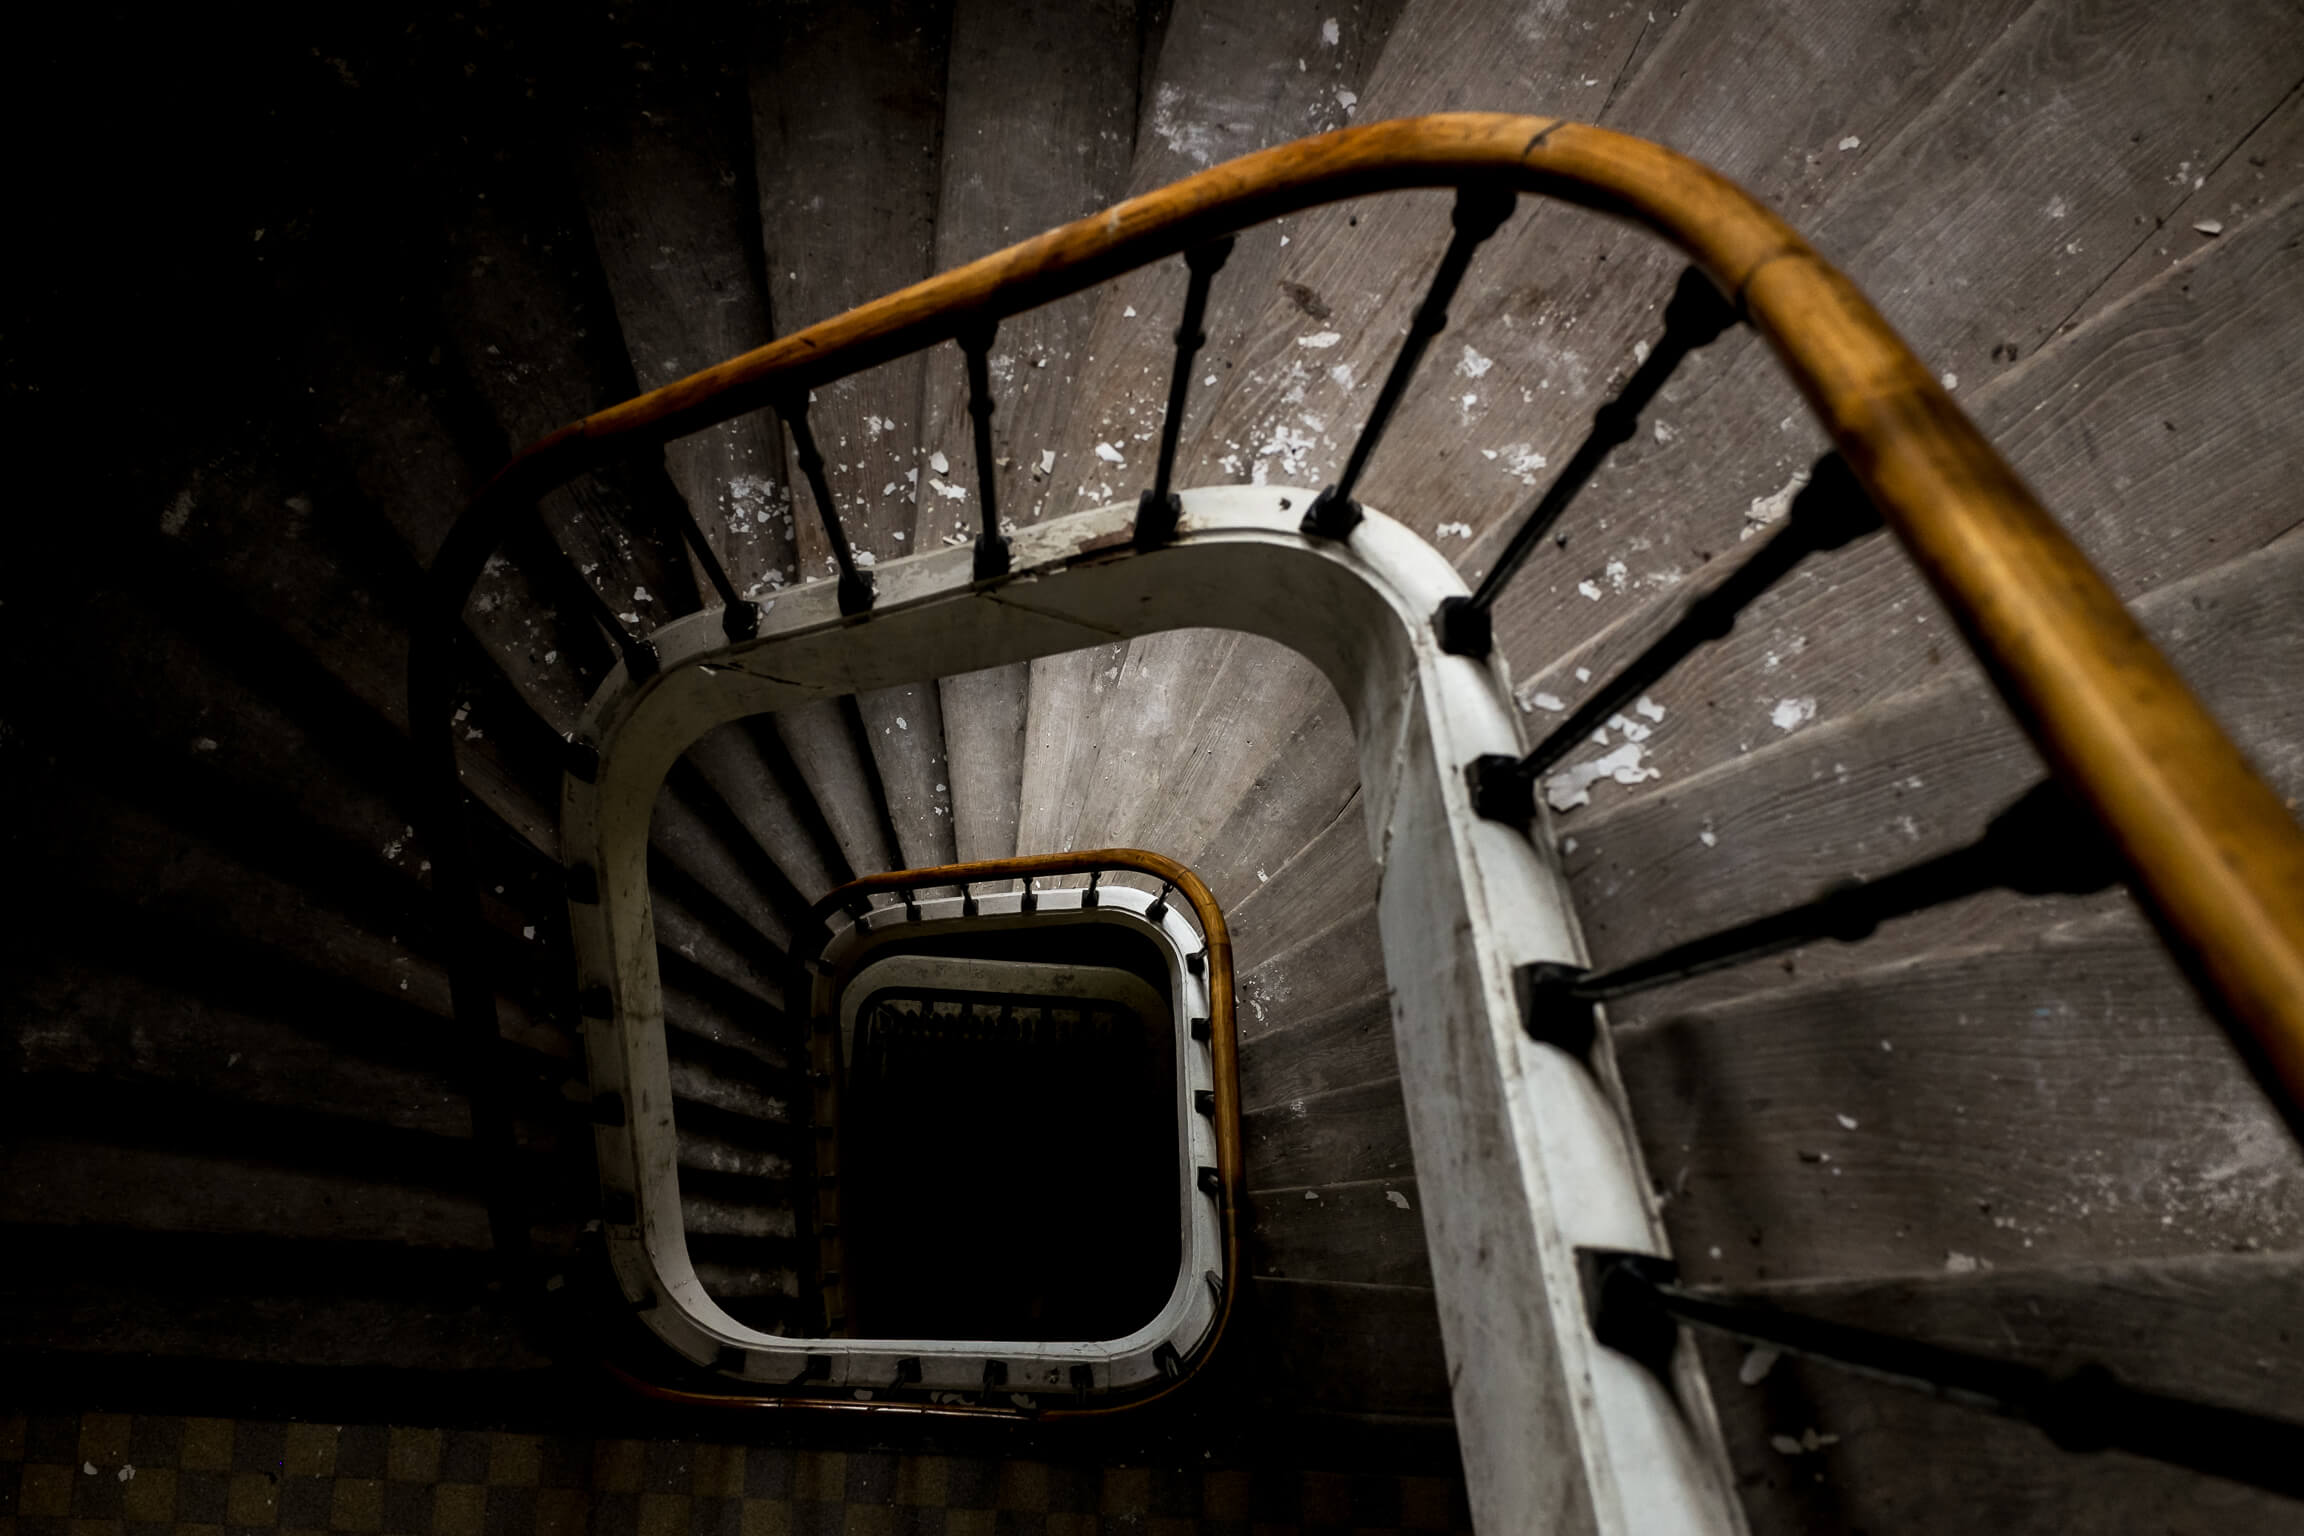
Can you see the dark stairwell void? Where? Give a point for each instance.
(1009, 1145)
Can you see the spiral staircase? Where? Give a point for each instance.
(305, 1098)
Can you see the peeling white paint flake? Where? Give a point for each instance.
(1589, 589)
(939, 463)
(1573, 787)
(875, 425)
(1847, 1122)
(1956, 1263)
(1320, 341)
(1109, 454)
(1647, 708)
(203, 743)
(1472, 365)
(1618, 574)
(1347, 100)
(1759, 1360)
(2057, 208)
(1340, 376)
(1950, 381)
(1851, 142)
(1775, 507)
(127, 1474)
(1129, 313)
(1707, 836)
(2210, 227)
(1521, 461)
(900, 725)
(1791, 714)
(1311, 1194)
(948, 492)
(1550, 703)
(1047, 461)
(1330, 34)
(1398, 1199)
(1458, 530)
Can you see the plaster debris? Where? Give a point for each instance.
(1129, 313)
(1320, 341)
(1261, 877)
(875, 425)
(1647, 708)
(1951, 381)
(1329, 33)
(203, 743)
(1633, 730)
(1340, 376)
(1459, 530)
(1847, 1122)
(1759, 1360)
(2210, 227)
(900, 725)
(1047, 460)
(1311, 1194)
(1473, 365)
(88, 1467)
(1771, 509)
(1639, 352)
(1791, 714)
(2057, 208)
(1397, 1199)
(127, 1474)
(640, 595)
(529, 932)
(1347, 100)
(939, 463)
(1851, 142)
(1583, 674)
(1708, 837)
(1665, 432)
(865, 559)
(1963, 1263)
(1550, 703)
(1589, 589)
(1617, 573)
(1109, 454)
(1573, 787)
(949, 492)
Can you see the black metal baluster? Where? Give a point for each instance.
(1479, 212)
(1635, 1303)
(739, 619)
(1157, 509)
(991, 545)
(638, 651)
(1694, 318)
(855, 585)
(1830, 511)
(2041, 845)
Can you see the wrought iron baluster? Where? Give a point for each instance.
(992, 557)
(855, 585)
(1158, 509)
(1830, 511)
(2041, 845)
(739, 619)
(1479, 212)
(1635, 1303)
(1695, 318)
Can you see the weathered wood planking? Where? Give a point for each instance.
(1329, 877)
(821, 739)
(1337, 1137)
(1229, 80)
(1956, 242)
(1306, 788)
(848, 104)
(767, 797)
(258, 1300)
(667, 183)
(1904, 780)
(1365, 1349)
(1365, 1234)
(1342, 963)
(2172, 399)
(2032, 1104)
(1341, 1047)
(2202, 1328)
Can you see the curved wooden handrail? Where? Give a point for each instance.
(2212, 853)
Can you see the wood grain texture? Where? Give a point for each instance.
(1364, 1234)
(2034, 1104)
(1369, 1349)
(1907, 779)
(1337, 1137)
(2196, 1327)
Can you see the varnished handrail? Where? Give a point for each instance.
(2210, 850)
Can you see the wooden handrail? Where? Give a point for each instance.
(2212, 853)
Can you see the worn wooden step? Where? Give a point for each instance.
(1904, 780)
(2207, 1328)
